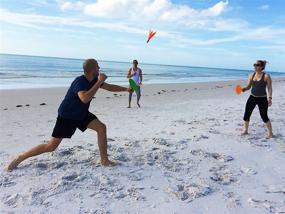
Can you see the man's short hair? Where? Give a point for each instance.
(135, 61)
(89, 65)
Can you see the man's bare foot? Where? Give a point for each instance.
(129, 107)
(14, 163)
(244, 133)
(138, 105)
(270, 135)
(108, 163)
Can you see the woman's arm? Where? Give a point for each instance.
(248, 86)
(269, 88)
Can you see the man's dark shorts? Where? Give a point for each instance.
(65, 128)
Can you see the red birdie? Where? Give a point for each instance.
(150, 35)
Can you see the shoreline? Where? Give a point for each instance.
(275, 79)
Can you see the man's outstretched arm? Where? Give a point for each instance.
(114, 88)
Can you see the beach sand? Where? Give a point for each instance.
(181, 152)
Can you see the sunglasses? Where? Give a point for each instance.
(257, 65)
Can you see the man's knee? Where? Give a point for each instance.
(51, 146)
(102, 128)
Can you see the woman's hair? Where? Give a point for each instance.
(263, 63)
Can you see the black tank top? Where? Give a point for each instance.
(258, 88)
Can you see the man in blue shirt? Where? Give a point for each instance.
(73, 113)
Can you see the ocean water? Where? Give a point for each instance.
(17, 71)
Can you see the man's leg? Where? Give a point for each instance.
(130, 99)
(37, 150)
(101, 130)
(139, 96)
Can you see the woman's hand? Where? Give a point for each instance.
(269, 101)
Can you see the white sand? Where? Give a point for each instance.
(180, 153)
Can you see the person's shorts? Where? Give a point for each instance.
(138, 94)
(65, 128)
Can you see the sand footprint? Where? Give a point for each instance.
(122, 157)
(276, 190)
(161, 141)
(217, 156)
(135, 193)
(222, 175)
(190, 192)
(7, 182)
(58, 165)
(248, 171)
(271, 206)
(70, 177)
(66, 152)
(13, 200)
(42, 166)
(232, 199)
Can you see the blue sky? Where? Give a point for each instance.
(229, 34)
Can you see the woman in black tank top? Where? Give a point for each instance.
(258, 81)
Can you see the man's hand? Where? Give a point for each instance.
(102, 77)
(243, 89)
(129, 90)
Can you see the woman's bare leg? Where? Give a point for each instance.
(269, 128)
(245, 127)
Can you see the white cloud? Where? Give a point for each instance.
(32, 20)
(67, 5)
(158, 12)
(240, 31)
(217, 9)
(264, 7)
(162, 10)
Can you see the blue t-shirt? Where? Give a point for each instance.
(72, 107)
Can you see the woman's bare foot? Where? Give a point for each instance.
(244, 133)
(138, 105)
(14, 163)
(129, 107)
(270, 135)
(108, 163)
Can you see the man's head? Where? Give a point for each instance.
(90, 66)
(135, 63)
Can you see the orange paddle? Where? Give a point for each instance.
(238, 89)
